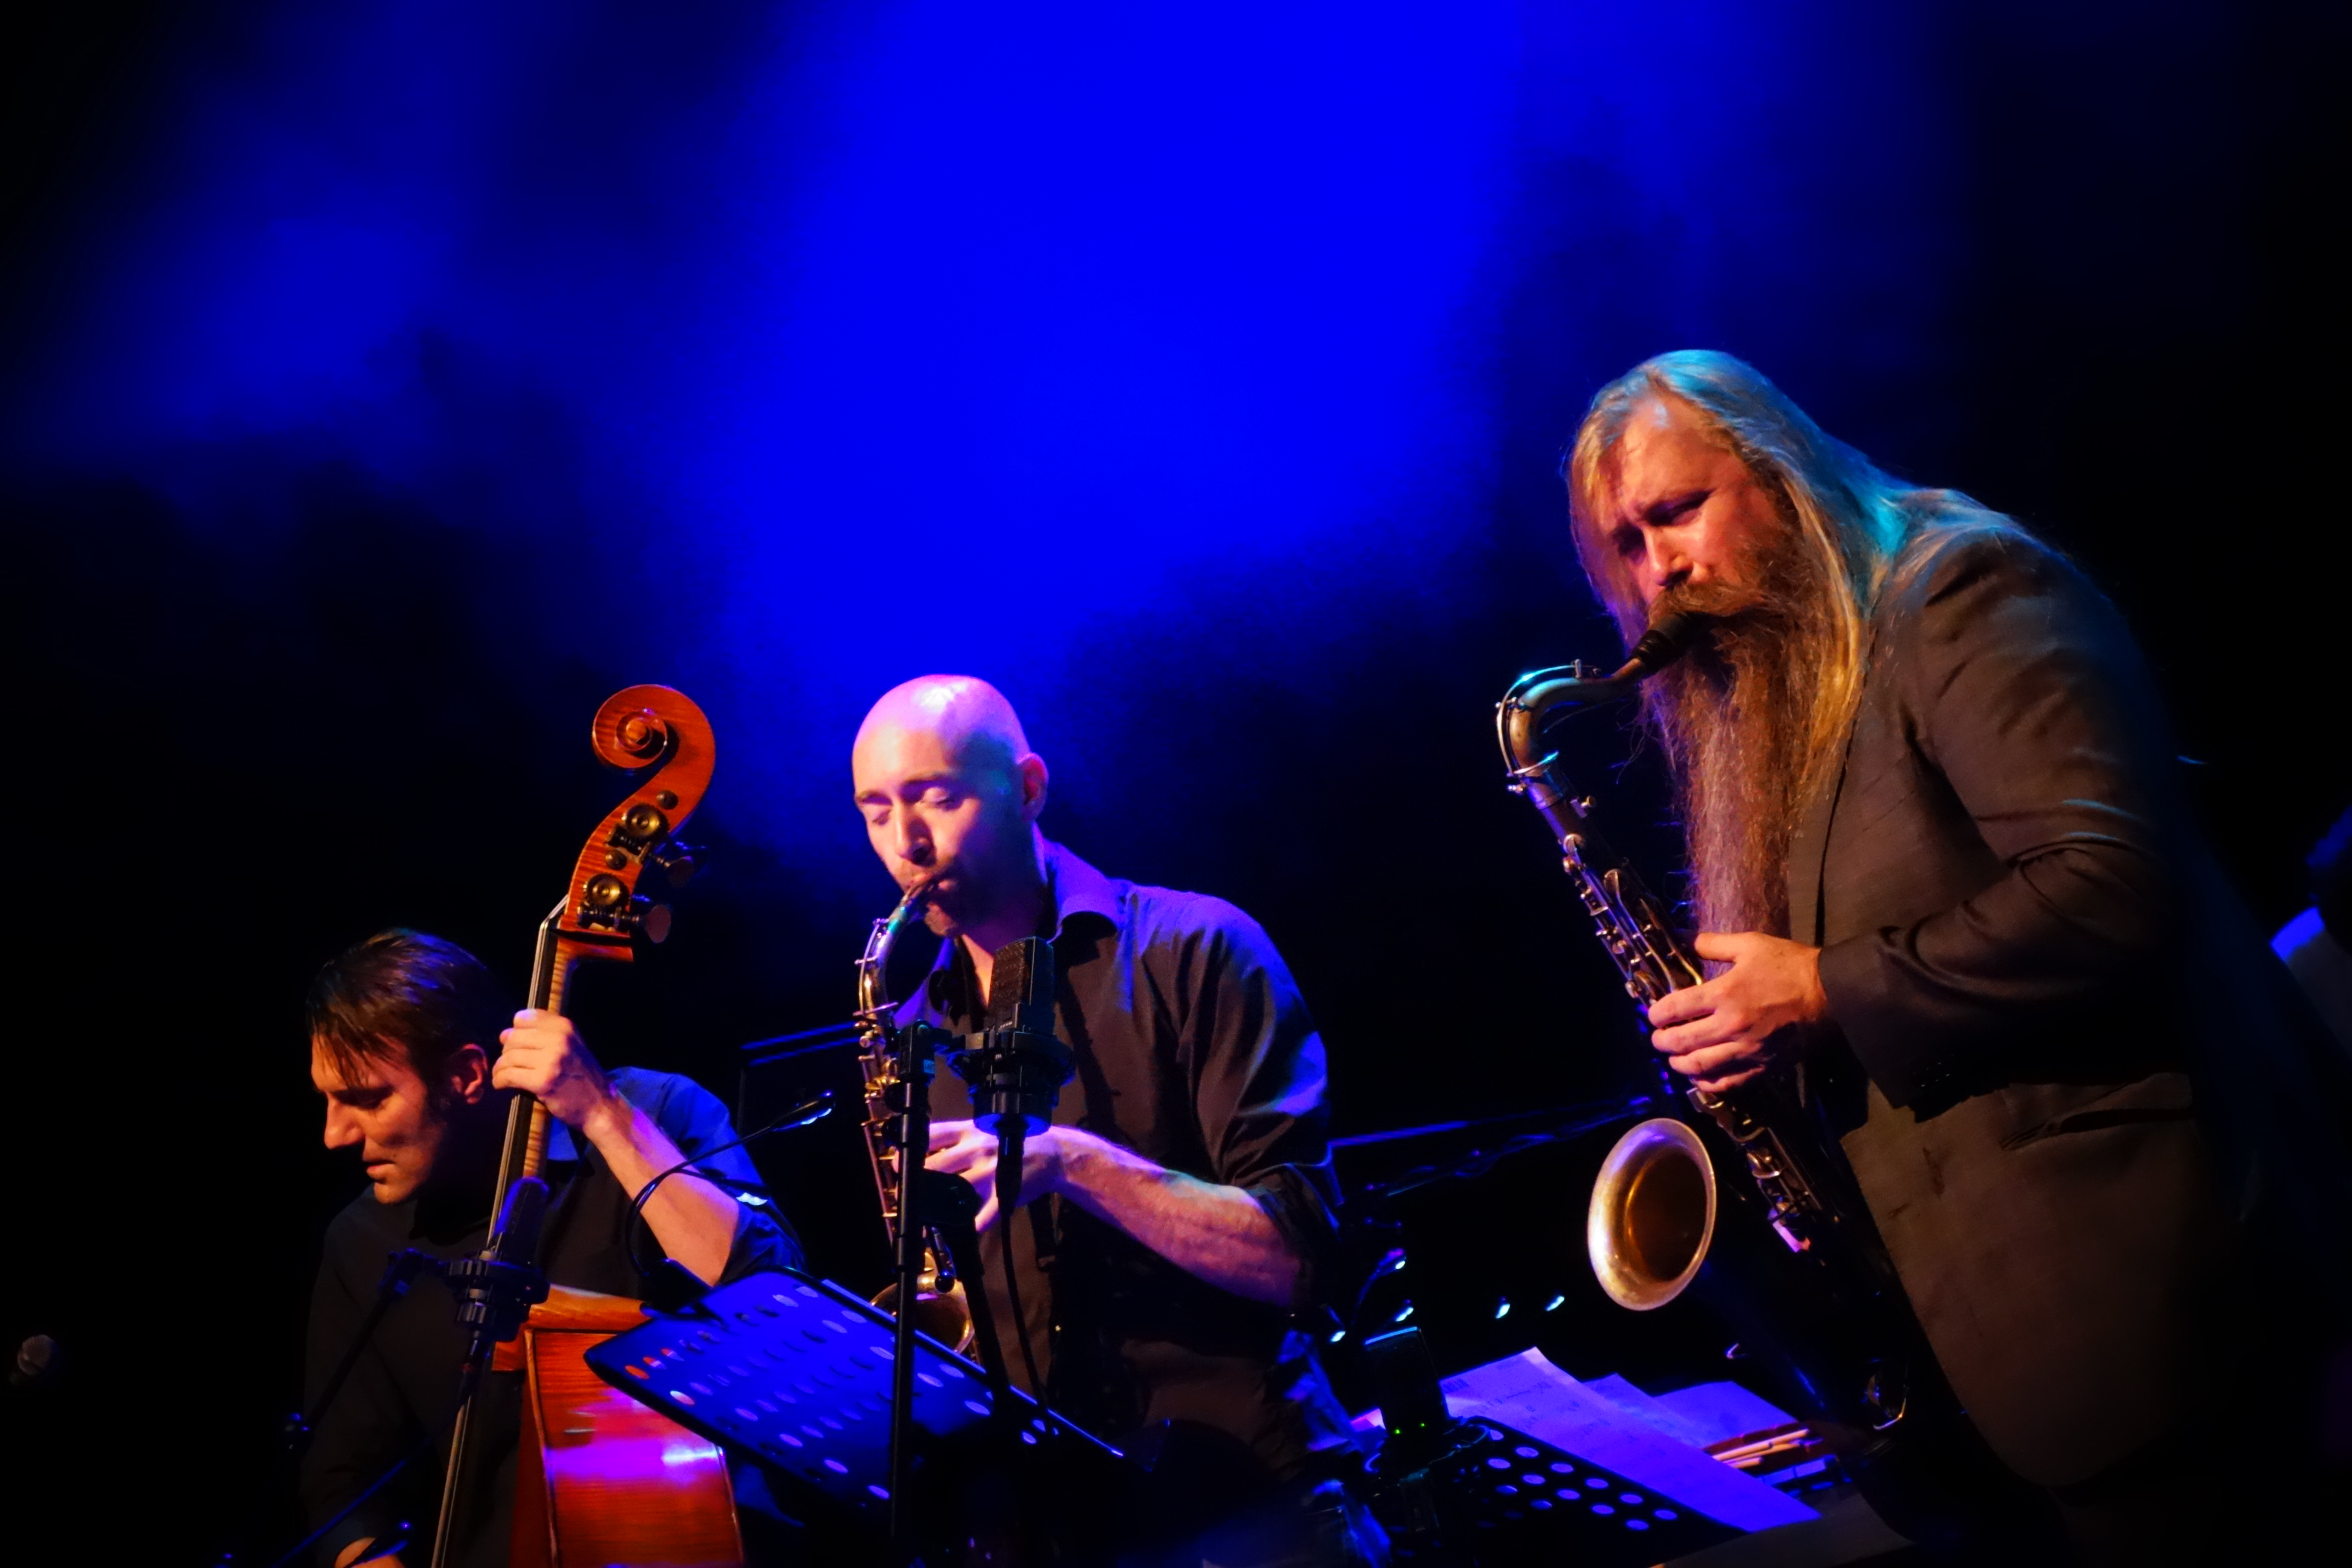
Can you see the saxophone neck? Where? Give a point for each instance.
(1535, 699)
(874, 1004)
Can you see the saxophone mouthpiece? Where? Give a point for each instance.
(1672, 634)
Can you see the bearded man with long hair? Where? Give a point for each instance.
(1939, 857)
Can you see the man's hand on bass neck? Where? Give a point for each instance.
(694, 1221)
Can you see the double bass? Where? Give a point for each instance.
(599, 1478)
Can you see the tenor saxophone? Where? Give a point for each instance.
(940, 1309)
(1820, 1293)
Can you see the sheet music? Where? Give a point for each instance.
(1701, 1414)
(1527, 1391)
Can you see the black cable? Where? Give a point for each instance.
(807, 1111)
(400, 1272)
(1012, 1279)
(432, 1441)
(1028, 1499)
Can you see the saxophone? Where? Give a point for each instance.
(1821, 1295)
(940, 1309)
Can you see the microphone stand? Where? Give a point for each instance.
(929, 1202)
(1016, 1069)
(495, 1293)
(400, 1269)
(914, 1049)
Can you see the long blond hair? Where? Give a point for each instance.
(1856, 528)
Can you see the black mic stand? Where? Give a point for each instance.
(400, 1269)
(913, 1051)
(931, 1203)
(495, 1291)
(1017, 1067)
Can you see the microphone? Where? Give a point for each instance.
(1017, 1067)
(1020, 987)
(38, 1361)
(497, 1289)
(526, 1211)
(1017, 1075)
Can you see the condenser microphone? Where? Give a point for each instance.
(1017, 1066)
(1020, 987)
(1018, 1072)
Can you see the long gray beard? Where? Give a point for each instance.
(1736, 720)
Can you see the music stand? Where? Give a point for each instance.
(795, 1373)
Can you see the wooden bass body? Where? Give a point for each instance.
(599, 1478)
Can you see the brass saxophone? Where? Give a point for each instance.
(940, 1309)
(1824, 1298)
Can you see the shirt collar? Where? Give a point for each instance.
(1078, 888)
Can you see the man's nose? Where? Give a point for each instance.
(341, 1131)
(913, 839)
(1663, 564)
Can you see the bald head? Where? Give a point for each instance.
(951, 793)
(972, 720)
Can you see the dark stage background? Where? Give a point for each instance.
(384, 384)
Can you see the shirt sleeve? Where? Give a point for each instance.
(2022, 692)
(1259, 1089)
(364, 1432)
(694, 1120)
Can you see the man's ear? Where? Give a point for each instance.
(1031, 769)
(465, 1075)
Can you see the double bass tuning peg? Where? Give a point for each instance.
(649, 919)
(679, 861)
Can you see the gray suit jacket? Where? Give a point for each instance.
(2066, 1090)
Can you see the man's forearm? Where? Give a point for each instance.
(694, 1221)
(1217, 1233)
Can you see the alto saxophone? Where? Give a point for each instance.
(1826, 1300)
(940, 1309)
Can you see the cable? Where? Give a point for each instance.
(432, 1441)
(1004, 1221)
(807, 1111)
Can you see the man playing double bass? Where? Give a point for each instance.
(1178, 1206)
(398, 1026)
(1941, 863)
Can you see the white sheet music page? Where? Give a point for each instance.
(1527, 1391)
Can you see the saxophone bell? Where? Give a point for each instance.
(1651, 1218)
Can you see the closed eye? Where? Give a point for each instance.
(361, 1098)
(1671, 511)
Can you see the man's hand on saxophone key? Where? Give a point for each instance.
(1725, 1032)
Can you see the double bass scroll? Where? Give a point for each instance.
(602, 915)
(660, 735)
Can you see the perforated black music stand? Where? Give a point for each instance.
(795, 1373)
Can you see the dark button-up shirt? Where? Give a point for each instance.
(1193, 1050)
(404, 1385)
